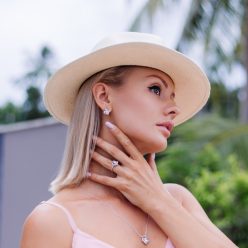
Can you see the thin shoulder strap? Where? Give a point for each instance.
(67, 213)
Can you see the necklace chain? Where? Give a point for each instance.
(144, 238)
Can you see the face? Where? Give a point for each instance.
(145, 100)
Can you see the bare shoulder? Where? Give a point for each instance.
(184, 196)
(46, 226)
(189, 202)
(175, 188)
(178, 191)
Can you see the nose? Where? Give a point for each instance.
(172, 111)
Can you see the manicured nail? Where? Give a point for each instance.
(109, 125)
(88, 174)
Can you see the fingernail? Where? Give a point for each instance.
(153, 155)
(109, 125)
(88, 174)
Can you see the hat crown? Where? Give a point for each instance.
(127, 37)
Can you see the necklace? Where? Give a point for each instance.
(144, 238)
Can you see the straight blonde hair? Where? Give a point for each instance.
(85, 123)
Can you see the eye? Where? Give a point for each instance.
(156, 89)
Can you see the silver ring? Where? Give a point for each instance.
(114, 164)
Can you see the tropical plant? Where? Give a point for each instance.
(220, 27)
(10, 113)
(41, 69)
(207, 155)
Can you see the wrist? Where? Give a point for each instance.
(157, 204)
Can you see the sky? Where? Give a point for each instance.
(70, 28)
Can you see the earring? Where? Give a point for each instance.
(106, 111)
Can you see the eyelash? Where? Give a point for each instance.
(156, 86)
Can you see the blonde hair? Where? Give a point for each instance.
(85, 123)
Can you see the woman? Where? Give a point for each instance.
(121, 102)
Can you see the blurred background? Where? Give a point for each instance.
(208, 154)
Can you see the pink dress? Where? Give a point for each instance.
(82, 239)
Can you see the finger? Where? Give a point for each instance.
(124, 141)
(113, 151)
(151, 161)
(107, 163)
(109, 181)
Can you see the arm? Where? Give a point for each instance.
(187, 224)
(45, 227)
(190, 203)
(138, 180)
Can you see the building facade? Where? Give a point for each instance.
(30, 156)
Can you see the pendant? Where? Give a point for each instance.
(145, 239)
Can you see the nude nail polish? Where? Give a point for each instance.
(109, 125)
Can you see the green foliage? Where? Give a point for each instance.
(224, 196)
(10, 113)
(225, 135)
(39, 71)
(31, 109)
(222, 101)
(214, 172)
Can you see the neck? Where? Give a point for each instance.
(98, 190)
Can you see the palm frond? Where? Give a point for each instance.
(144, 21)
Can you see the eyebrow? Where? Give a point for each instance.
(164, 82)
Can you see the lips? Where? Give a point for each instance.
(166, 127)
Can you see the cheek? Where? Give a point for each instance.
(136, 111)
(137, 118)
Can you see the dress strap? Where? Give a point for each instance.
(67, 213)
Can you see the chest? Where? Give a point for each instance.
(117, 230)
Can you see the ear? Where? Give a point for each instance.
(101, 93)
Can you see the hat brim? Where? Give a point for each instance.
(192, 87)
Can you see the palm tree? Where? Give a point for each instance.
(39, 71)
(40, 68)
(216, 24)
(201, 149)
(245, 38)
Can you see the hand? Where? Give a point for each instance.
(137, 178)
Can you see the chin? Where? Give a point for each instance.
(162, 147)
(154, 145)
(159, 142)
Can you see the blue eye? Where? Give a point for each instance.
(157, 89)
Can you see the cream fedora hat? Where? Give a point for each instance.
(192, 87)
